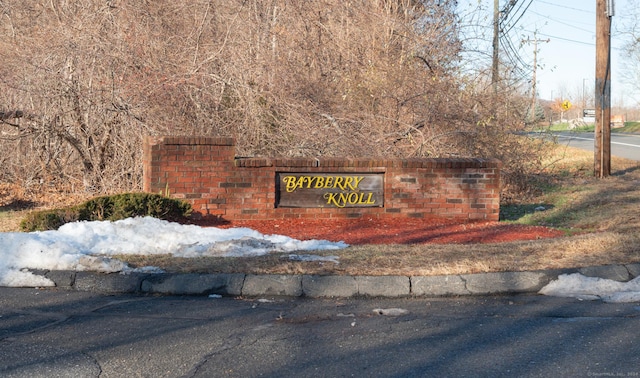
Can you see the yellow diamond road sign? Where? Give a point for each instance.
(566, 105)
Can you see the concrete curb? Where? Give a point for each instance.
(315, 286)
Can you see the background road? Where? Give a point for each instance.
(622, 145)
(47, 333)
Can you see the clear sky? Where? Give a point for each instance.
(566, 48)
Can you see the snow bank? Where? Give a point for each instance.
(87, 246)
(591, 288)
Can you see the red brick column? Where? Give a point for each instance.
(189, 168)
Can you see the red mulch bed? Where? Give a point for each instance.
(398, 231)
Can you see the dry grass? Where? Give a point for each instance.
(16, 202)
(432, 259)
(603, 214)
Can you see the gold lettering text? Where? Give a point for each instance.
(349, 195)
(290, 182)
(369, 200)
(309, 180)
(328, 182)
(358, 179)
(331, 199)
(347, 182)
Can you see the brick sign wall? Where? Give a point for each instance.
(206, 172)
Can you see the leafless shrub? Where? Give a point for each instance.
(314, 78)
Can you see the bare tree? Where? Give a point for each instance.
(360, 78)
(66, 77)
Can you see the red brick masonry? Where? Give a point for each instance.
(206, 173)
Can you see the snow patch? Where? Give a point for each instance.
(89, 246)
(593, 288)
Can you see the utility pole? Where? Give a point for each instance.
(496, 41)
(584, 96)
(602, 135)
(534, 94)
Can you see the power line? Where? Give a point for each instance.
(519, 18)
(573, 40)
(509, 20)
(564, 39)
(518, 65)
(508, 44)
(562, 22)
(507, 8)
(565, 7)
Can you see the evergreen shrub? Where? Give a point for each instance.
(111, 208)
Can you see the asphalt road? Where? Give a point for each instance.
(622, 145)
(48, 333)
